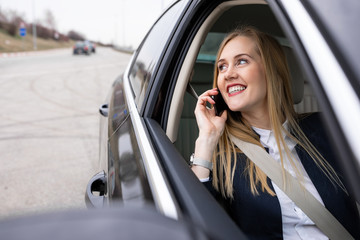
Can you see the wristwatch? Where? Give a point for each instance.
(200, 162)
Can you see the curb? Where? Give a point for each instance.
(29, 53)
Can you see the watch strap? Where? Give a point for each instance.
(201, 162)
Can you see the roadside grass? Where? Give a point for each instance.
(24, 44)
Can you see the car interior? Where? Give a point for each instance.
(198, 66)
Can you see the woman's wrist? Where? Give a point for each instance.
(205, 145)
(204, 148)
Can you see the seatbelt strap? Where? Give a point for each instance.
(323, 219)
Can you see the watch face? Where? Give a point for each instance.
(191, 159)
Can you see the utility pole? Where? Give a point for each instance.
(123, 23)
(34, 26)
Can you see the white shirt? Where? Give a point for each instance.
(296, 225)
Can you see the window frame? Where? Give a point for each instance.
(141, 102)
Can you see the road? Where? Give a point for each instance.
(49, 127)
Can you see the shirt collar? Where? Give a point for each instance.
(264, 136)
(267, 137)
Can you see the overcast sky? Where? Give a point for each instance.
(124, 22)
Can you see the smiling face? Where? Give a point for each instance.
(241, 77)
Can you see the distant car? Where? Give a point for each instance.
(82, 47)
(148, 128)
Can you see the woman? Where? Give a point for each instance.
(252, 76)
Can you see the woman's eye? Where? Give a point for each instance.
(222, 67)
(241, 62)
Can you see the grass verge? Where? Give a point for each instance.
(24, 44)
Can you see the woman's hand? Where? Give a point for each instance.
(209, 124)
(210, 129)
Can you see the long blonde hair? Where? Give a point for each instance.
(280, 105)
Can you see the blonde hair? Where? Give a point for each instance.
(280, 105)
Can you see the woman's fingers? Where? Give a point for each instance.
(206, 97)
(205, 116)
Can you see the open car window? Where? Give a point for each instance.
(198, 67)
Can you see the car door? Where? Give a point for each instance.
(192, 199)
(148, 89)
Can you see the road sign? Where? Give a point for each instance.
(22, 32)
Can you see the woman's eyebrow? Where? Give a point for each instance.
(242, 54)
(220, 61)
(237, 56)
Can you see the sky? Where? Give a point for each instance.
(121, 22)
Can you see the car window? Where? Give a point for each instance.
(209, 49)
(151, 50)
(202, 69)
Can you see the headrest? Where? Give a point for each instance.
(296, 75)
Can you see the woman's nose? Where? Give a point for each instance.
(230, 73)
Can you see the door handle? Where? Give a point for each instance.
(104, 110)
(95, 191)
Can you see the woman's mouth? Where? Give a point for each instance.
(235, 89)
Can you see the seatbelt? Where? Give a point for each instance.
(323, 219)
(191, 91)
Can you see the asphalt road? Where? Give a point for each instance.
(49, 127)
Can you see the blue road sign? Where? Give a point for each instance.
(22, 32)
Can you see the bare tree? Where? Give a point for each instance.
(10, 21)
(50, 20)
(75, 36)
(3, 17)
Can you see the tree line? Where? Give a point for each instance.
(11, 21)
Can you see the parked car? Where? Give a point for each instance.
(148, 127)
(82, 47)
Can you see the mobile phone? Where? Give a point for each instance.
(220, 104)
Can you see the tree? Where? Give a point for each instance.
(50, 20)
(10, 21)
(76, 36)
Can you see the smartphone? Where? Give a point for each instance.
(220, 104)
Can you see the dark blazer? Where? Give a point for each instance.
(260, 216)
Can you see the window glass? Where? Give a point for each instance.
(151, 50)
(210, 47)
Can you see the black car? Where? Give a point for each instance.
(148, 127)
